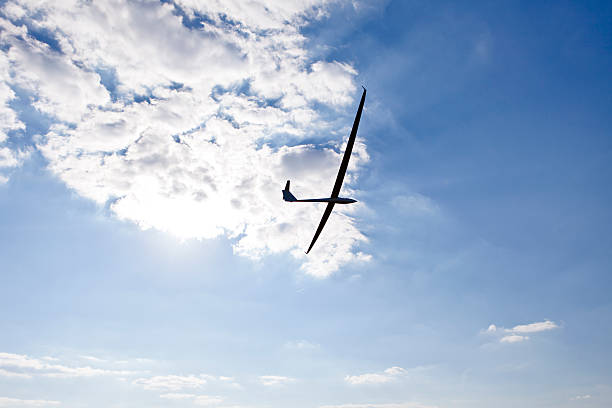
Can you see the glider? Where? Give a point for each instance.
(334, 199)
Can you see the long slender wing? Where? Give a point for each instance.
(349, 149)
(328, 211)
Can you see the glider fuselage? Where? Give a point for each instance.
(334, 199)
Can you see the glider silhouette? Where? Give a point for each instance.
(334, 199)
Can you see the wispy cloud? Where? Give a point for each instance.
(93, 358)
(517, 333)
(18, 365)
(201, 400)
(170, 382)
(513, 338)
(16, 402)
(7, 373)
(177, 396)
(581, 397)
(534, 327)
(207, 400)
(388, 375)
(391, 405)
(274, 380)
(414, 204)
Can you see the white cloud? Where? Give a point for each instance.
(188, 129)
(388, 375)
(201, 400)
(581, 397)
(274, 380)
(18, 365)
(170, 382)
(534, 327)
(177, 396)
(15, 402)
(93, 358)
(207, 400)
(517, 333)
(7, 373)
(513, 338)
(11, 158)
(392, 405)
(8, 117)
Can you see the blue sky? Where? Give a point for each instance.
(147, 257)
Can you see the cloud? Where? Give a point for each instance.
(274, 380)
(7, 373)
(184, 120)
(392, 405)
(516, 334)
(388, 375)
(93, 358)
(170, 382)
(580, 397)
(414, 204)
(513, 338)
(534, 327)
(15, 402)
(22, 366)
(201, 400)
(301, 345)
(207, 400)
(177, 396)
(9, 121)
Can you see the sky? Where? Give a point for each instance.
(147, 258)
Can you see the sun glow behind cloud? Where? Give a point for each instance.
(188, 117)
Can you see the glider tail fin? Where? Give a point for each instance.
(287, 196)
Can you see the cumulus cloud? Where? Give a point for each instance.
(388, 375)
(22, 366)
(274, 380)
(170, 382)
(16, 402)
(189, 116)
(8, 119)
(517, 333)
